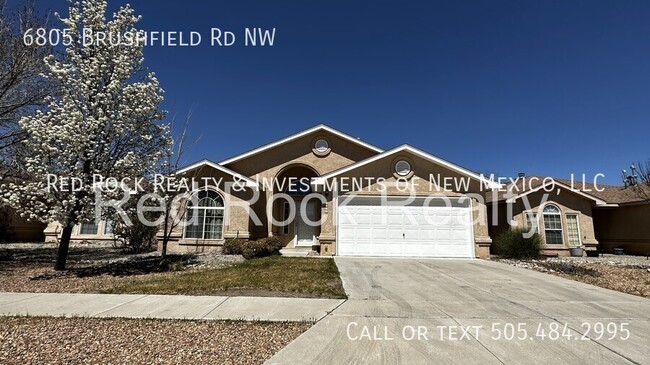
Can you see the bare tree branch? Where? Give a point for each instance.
(175, 204)
(642, 187)
(22, 88)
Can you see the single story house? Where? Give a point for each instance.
(575, 213)
(325, 191)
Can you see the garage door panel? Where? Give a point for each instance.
(392, 234)
(394, 219)
(438, 230)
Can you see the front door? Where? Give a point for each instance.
(306, 229)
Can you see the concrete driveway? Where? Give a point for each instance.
(417, 311)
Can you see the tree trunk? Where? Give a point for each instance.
(164, 248)
(166, 233)
(62, 255)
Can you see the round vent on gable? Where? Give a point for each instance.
(321, 147)
(402, 168)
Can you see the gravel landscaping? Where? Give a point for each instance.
(627, 274)
(92, 268)
(39, 340)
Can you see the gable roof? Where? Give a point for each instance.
(556, 183)
(249, 182)
(427, 156)
(320, 127)
(603, 195)
(614, 194)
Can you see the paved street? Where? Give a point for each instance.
(416, 311)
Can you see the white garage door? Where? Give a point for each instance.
(372, 226)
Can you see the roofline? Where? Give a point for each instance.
(405, 147)
(205, 162)
(298, 135)
(598, 201)
(636, 202)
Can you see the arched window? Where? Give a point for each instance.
(552, 225)
(205, 216)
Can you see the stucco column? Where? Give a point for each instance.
(482, 239)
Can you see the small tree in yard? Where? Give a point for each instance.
(642, 186)
(105, 122)
(175, 204)
(136, 234)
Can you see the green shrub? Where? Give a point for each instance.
(233, 246)
(512, 244)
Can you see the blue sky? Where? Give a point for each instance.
(545, 87)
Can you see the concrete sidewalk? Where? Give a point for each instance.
(165, 306)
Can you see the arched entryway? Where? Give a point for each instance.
(296, 208)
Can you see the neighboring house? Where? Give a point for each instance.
(573, 214)
(627, 225)
(14, 228)
(312, 161)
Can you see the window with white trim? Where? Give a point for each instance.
(572, 230)
(205, 219)
(88, 228)
(531, 222)
(552, 225)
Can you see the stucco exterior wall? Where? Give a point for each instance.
(53, 233)
(418, 183)
(626, 226)
(267, 166)
(237, 218)
(569, 203)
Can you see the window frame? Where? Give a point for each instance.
(322, 148)
(108, 225)
(579, 233)
(535, 219)
(81, 229)
(286, 211)
(205, 215)
(399, 171)
(557, 214)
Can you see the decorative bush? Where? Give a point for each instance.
(512, 244)
(268, 246)
(135, 238)
(233, 246)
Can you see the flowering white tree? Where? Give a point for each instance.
(105, 121)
